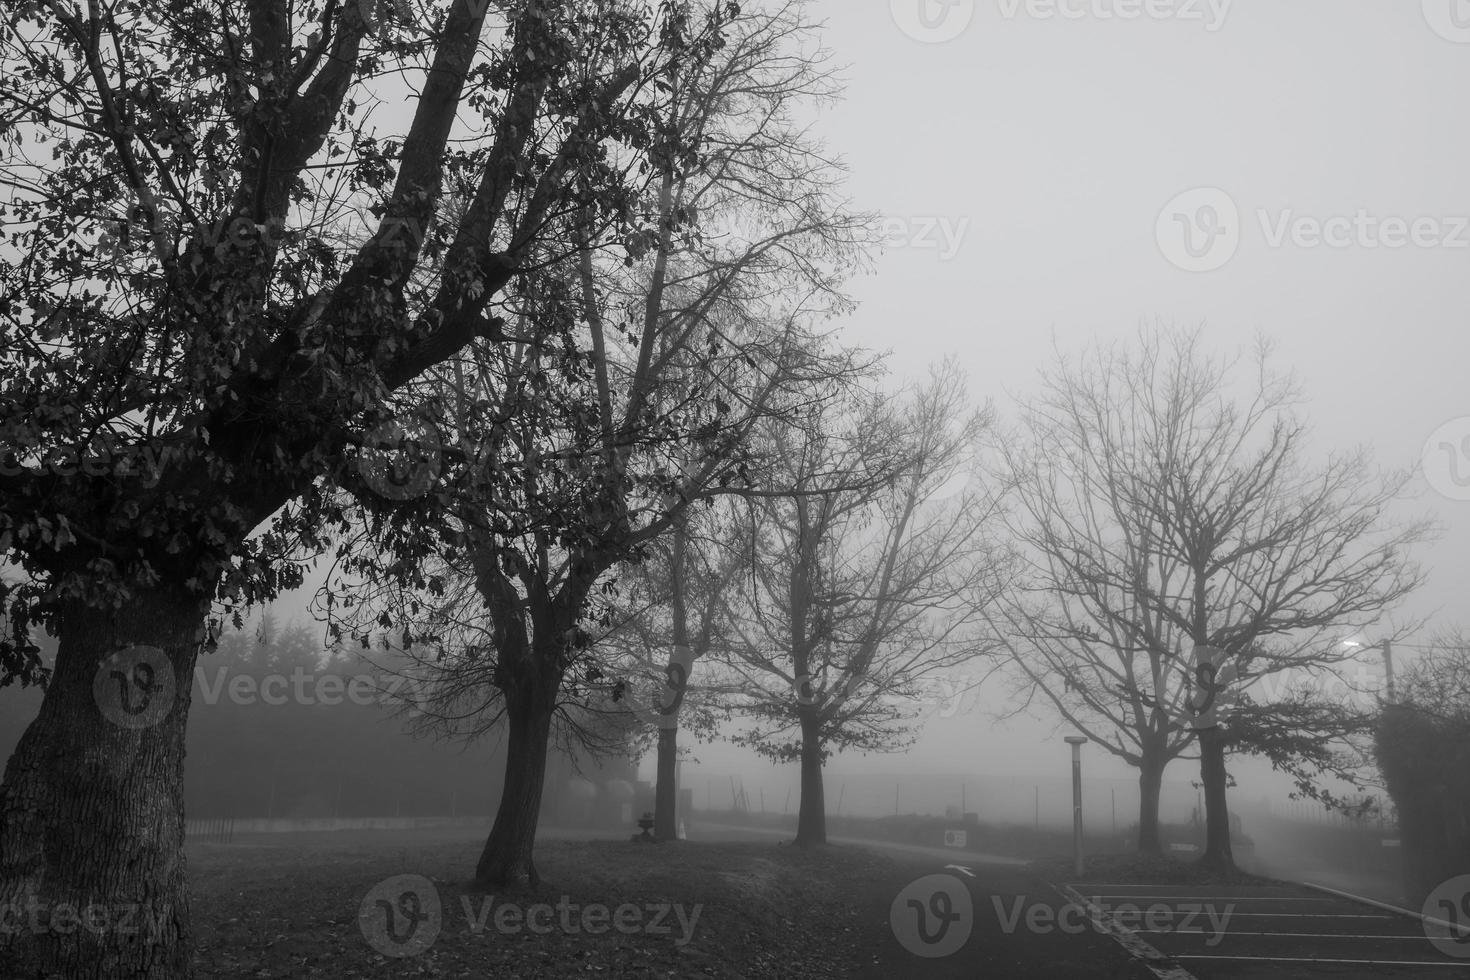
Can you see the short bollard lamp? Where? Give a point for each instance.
(645, 822)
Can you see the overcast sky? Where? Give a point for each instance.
(1058, 172)
(1040, 164)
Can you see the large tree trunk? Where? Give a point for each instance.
(506, 858)
(1218, 854)
(811, 820)
(665, 803)
(91, 807)
(1150, 783)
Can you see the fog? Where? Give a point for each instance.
(1025, 163)
(1028, 159)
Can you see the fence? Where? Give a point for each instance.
(210, 830)
(222, 830)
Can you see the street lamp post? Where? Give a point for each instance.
(1386, 647)
(1076, 741)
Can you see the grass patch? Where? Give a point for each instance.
(276, 909)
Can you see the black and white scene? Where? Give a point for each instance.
(734, 489)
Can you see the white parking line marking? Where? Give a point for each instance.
(1125, 884)
(1207, 898)
(1319, 959)
(1292, 935)
(1304, 915)
(1164, 965)
(1374, 903)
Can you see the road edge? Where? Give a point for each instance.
(1160, 965)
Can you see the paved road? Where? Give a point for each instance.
(717, 831)
(981, 907)
(990, 918)
(1006, 923)
(1281, 933)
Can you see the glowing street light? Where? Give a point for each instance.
(1387, 647)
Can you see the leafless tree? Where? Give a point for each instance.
(1165, 502)
(859, 582)
(632, 387)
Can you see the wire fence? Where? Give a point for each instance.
(210, 830)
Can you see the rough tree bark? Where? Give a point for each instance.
(1150, 784)
(811, 821)
(665, 804)
(507, 856)
(1218, 854)
(97, 775)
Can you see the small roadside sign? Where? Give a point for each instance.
(955, 838)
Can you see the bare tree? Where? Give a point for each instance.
(1165, 504)
(633, 385)
(676, 617)
(859, 582)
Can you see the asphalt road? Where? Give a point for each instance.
(1281, 933)
(989, 921)
(948, 915)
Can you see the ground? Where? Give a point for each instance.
(268, 908)
(342, 906)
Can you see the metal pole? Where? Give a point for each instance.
(1076, 741)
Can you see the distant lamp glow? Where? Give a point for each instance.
(1385, 648)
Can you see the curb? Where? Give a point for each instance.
(1386, 907)
(1157, 963)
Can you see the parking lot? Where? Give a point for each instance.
(1259, 932)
